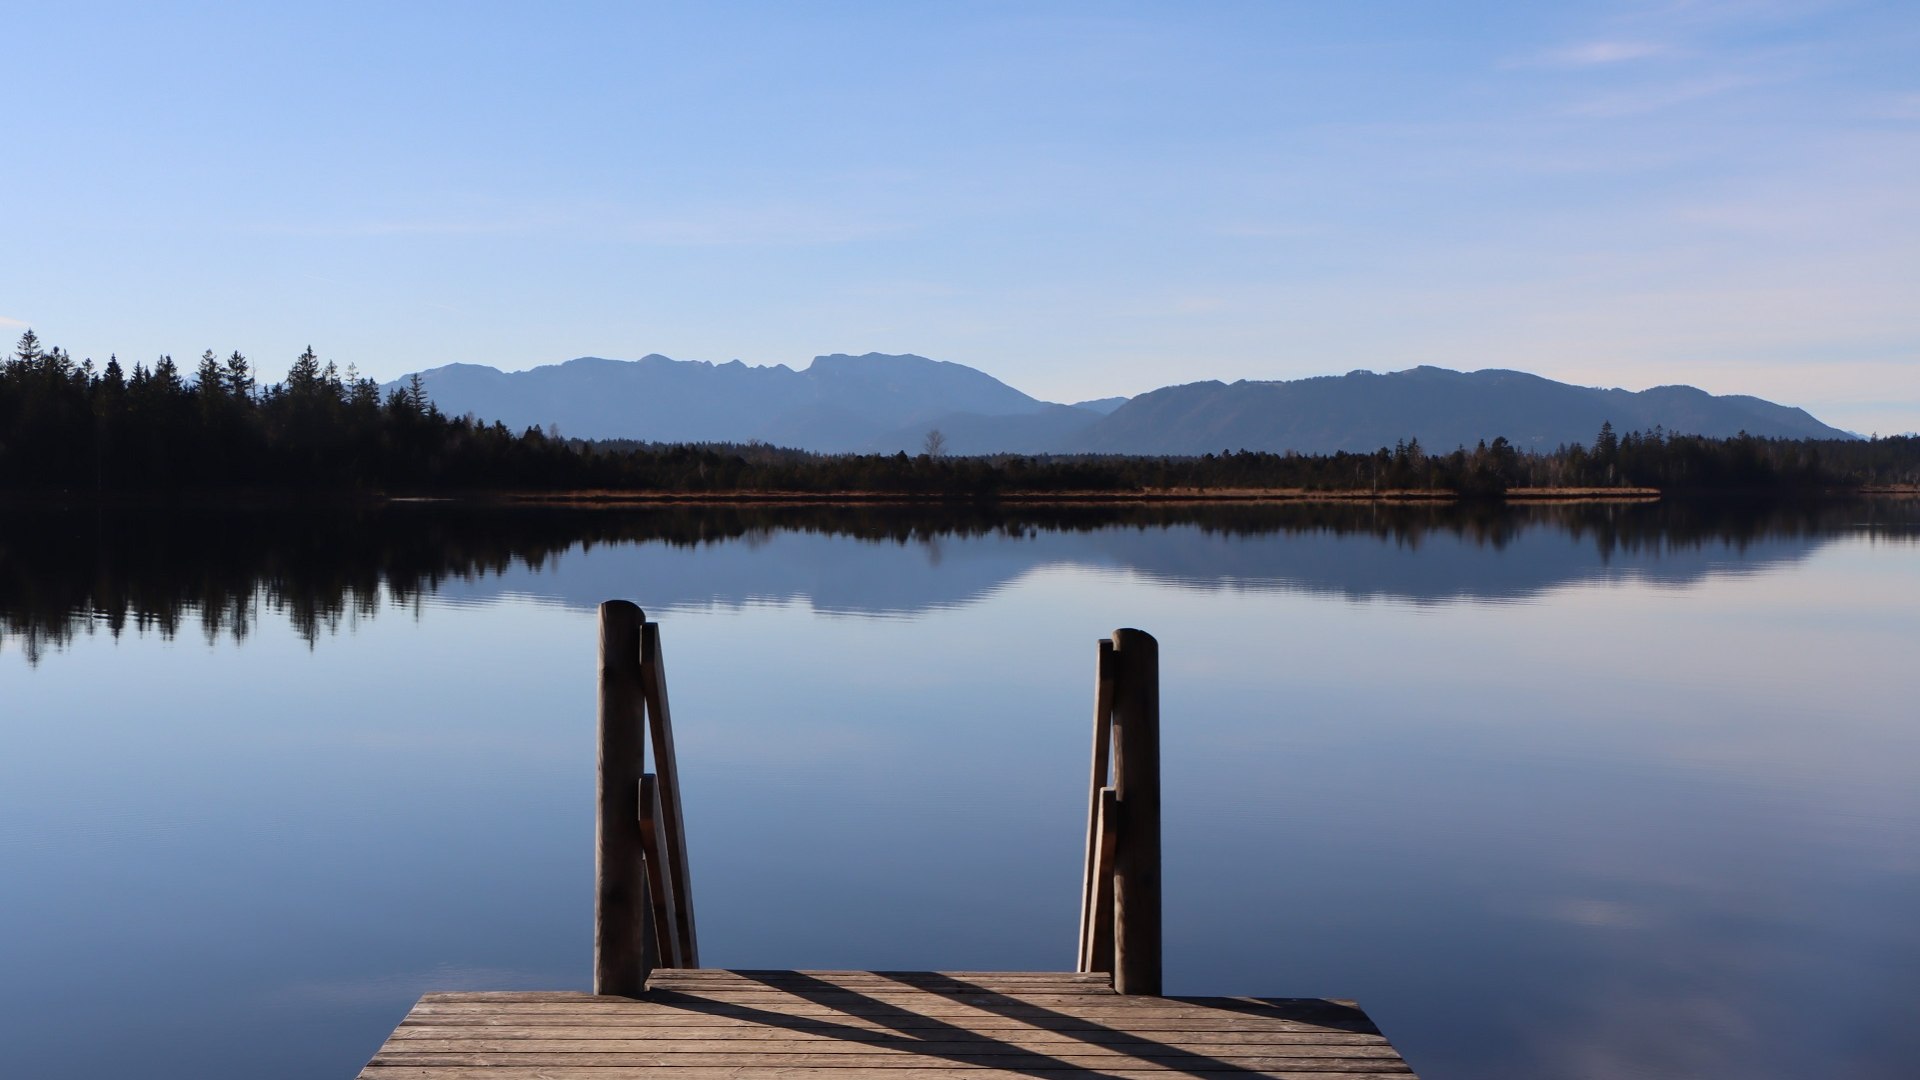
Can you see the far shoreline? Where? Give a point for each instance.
(612, 499)
(1033, 498)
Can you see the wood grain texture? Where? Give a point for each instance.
(759, 1038)
(1095, 896)
(621, 959)
(1099, 932)
(660, 890)
(653, 685)
(1136, 782)
(784, 1073)
(793, 1025)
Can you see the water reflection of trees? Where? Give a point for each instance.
(68, 573)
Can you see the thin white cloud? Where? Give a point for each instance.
(20, 323)
(1649, 99)
(1589, 54)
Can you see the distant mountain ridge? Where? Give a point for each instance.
(839, 403)
(1362, 411)
(885, 403)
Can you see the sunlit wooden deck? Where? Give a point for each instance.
(709, 1024)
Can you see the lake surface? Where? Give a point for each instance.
(1565, 792)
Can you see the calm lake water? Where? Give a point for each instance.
(1625, 791)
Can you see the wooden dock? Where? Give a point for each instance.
(706, 1024)
(655, 1009)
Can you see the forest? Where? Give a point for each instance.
(73, 428)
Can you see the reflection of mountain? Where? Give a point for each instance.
(68, 573)
(835, 573)
(1439, 565)
(867, 577)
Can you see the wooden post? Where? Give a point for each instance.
(1097, 946)
(1096, 917)
(622, 957)
(660, 884)
(673, 833)
(1136, 770)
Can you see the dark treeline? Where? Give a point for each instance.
(68, 426)
(111, 569)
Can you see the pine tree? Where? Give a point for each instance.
(303, 379)
(166, 376)
(1606, 450)
(207, 380)
(239, 377)
(27, 353)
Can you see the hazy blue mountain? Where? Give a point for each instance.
(1362, 411)
(837, 403)
(885, 403)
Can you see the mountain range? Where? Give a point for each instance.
(886, 403)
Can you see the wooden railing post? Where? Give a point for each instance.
(1136, 771)
(1096, 882)
(671, 828)
(1120, 894)
(623, 956)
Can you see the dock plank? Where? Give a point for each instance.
(653, 1073)
(708, 1024)
(938, 1013)
(1323, 1057)
(747, 1038)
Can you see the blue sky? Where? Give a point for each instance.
(1082, 199)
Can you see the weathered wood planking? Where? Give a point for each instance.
(811, 1025)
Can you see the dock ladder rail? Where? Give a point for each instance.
(1120, 892)
(643, 901)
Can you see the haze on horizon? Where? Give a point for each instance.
(1080, 199)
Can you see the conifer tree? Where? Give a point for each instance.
(166, 376)
(207, 380)
(303, 379)
(27, 353)
(239, 377)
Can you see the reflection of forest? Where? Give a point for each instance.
(70, 572)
